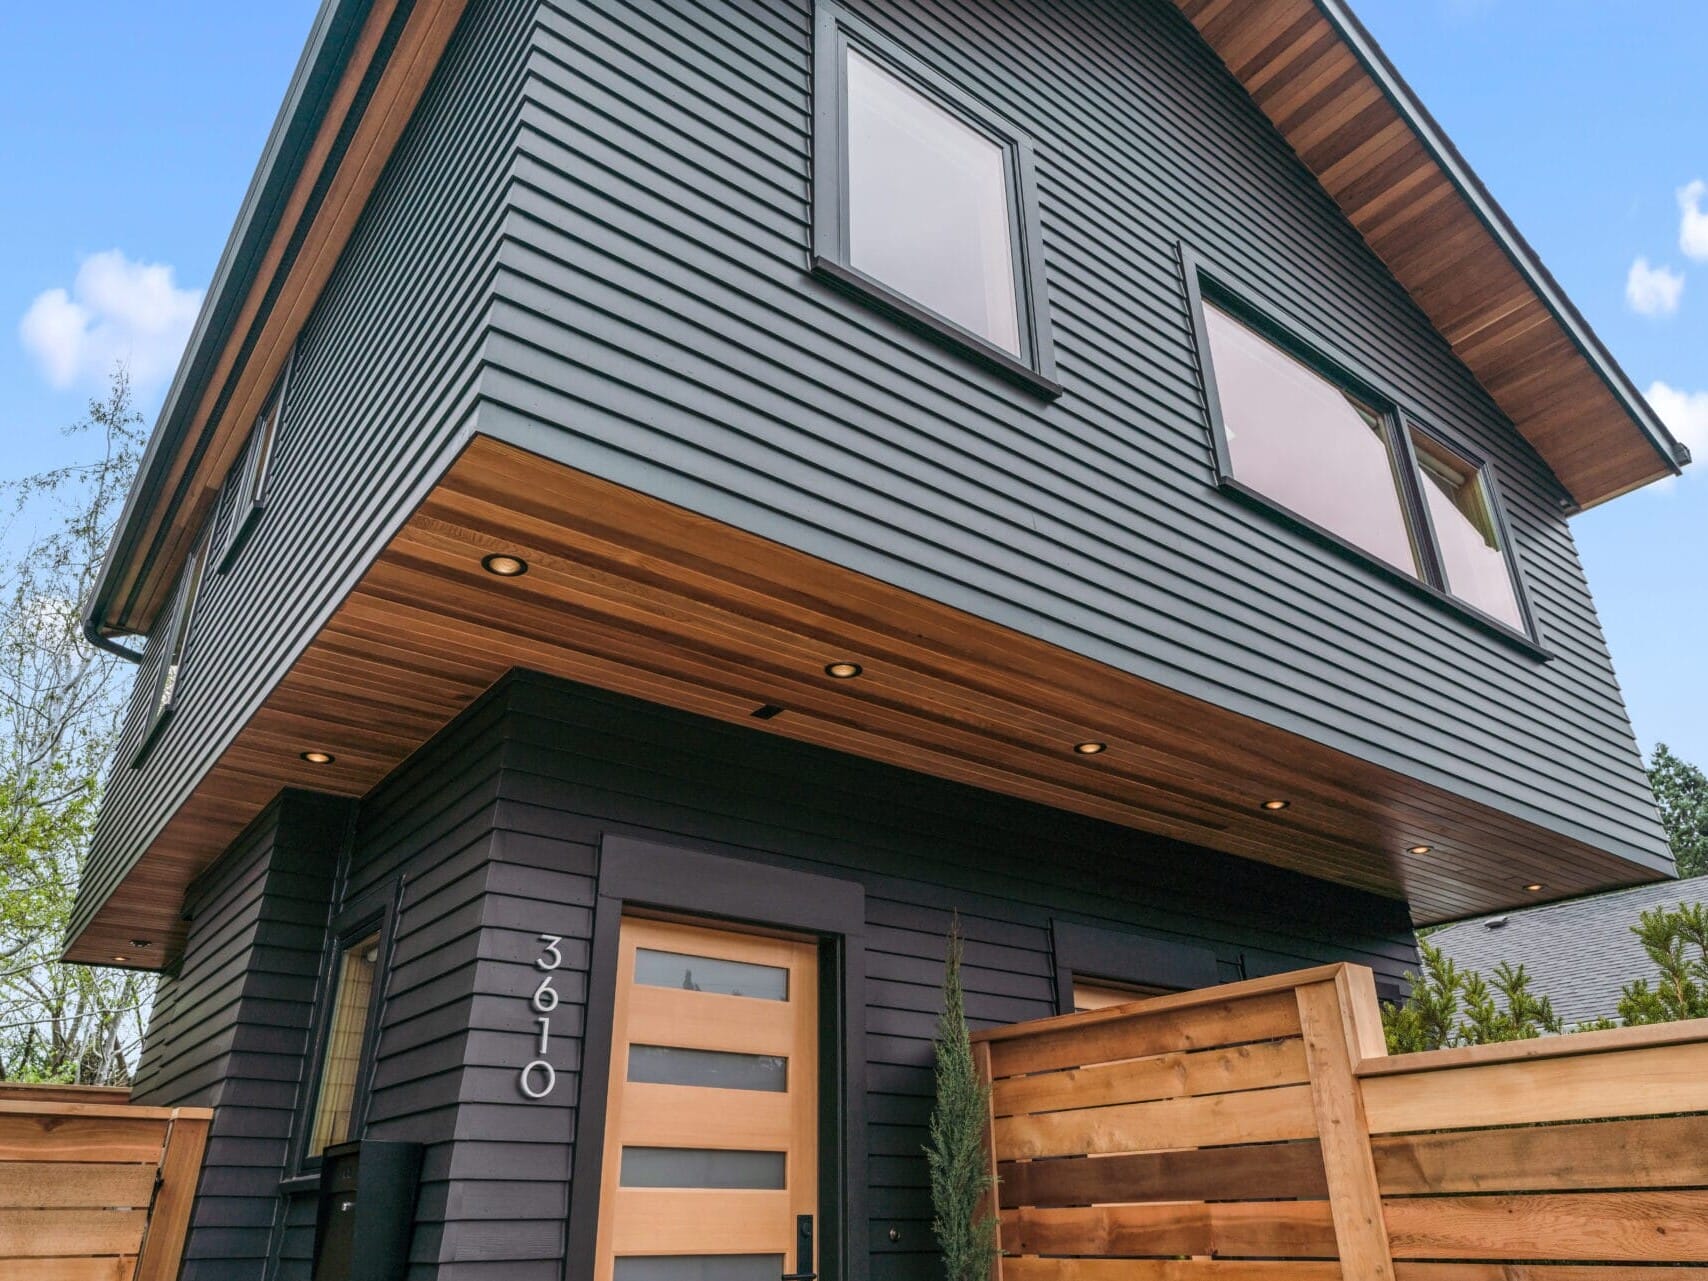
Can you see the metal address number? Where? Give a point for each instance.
(539, 1078)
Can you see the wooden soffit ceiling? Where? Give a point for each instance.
(631, 594)
(1325, 85)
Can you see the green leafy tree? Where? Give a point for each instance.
(60, 707)
(1429, 1018)
(961, 1179)
(1518, 1015)
(1681, 793)
(1676, 940)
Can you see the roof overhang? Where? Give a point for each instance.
(1320, 78)
(1308, 64)
(632, 594)
(365, 67)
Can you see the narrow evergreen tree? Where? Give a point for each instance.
(960, 1170)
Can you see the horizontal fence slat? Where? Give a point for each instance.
(1636, 1083)
(34, 1234)
(1028, 1268)
(1614, 1227)
(1162, 1076)
(53, 1137)
(1544, 1272)
(1260, 1229)
(1650, 1152)
(1257, 1173)
(69, 1185)
(1266, 1017)
(1252, 1116)
(107, 1268)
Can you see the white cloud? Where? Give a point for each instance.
(1653, 291)
(1693, 220)
(1685, 414)
(116, 310)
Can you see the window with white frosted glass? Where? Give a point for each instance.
(928, 205)
(1307, 443)
(924, 201)
(1462, 511)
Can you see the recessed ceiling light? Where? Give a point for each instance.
(1276, 805)
(843, 671)
(1419, 849)
(1090, 747)
(504, 565)
(1534, 886)
(121, 958)
(318, 758)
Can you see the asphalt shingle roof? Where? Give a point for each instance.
(1581, 953)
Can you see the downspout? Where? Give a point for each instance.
(92, 634)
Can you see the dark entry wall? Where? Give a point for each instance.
(491, 836)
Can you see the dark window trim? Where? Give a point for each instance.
(163, 690)
(1117, 956)
(692, 882)
(376, 907)
(1205, 282)
(250, 495)
(834, 30)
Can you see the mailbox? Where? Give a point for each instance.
(367, 1211)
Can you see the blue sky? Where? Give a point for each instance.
(129, 133)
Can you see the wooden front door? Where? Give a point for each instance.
(710, 1168)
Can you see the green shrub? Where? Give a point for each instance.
(961, 1178)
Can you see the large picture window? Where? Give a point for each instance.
(1298, 434)
(923, 201)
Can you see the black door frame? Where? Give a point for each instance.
(695, 883)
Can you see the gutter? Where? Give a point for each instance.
(330, 41)
(1671, 451)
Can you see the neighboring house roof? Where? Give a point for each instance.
(1312, 69)
(1580, 953)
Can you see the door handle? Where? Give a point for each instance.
(803, 1251)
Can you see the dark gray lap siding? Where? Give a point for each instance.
(230, 1030)
(551, 769)
(657, 323)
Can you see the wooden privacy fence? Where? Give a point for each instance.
(92, 1188)
(1259, 1130)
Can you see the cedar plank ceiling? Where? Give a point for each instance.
(1329, 103)
(631, 594)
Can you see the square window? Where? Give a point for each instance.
(924, 203)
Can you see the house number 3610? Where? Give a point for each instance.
(539, 1078)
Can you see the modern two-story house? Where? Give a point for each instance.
(670, 501)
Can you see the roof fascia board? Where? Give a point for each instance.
(1488, 211)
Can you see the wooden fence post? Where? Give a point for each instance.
(169, 1221)
(1337, 1034)
(993, 1200)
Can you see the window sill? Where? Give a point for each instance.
(1468, 613)
(928, 323)
(299, 1184)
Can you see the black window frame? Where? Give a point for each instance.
(835, 30)
(250, 492)
(1207, 285)
(163, 692)
(1126, 958)
(374, 910)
